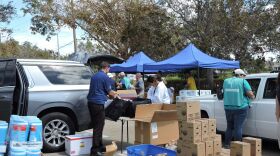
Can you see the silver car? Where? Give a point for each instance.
(53, 90)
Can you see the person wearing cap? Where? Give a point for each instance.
(100, 88)
(139, 85)
(237, 95)
(124, 82)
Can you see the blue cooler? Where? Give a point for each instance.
(18, 131)
(3, 132)
(34, 140)
(17, 152)
(33, 153)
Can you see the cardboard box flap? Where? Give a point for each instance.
(146, 111)
(165, 115)
(156, 112)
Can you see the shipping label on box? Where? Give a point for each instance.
(209, 148)
(256, 145)
(238, 148)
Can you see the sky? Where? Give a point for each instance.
(20, 25)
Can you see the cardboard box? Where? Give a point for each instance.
(191, 131)
(238, 148)
(188, 111)
(217, 147)
(181, 148)
(78, 144)
(197, 149)
(127, 94)
(256, 145)
(204, 129)
(209, 148)
(212, 123)
(111, 149)
(154, 122)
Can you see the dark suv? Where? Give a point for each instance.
(53, 90)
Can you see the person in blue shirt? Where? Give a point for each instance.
(237, 95)
(100, 88)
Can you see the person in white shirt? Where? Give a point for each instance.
(158, 92)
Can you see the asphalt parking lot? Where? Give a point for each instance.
(112, 132)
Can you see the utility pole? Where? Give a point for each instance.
(57, 41)
(73, 27)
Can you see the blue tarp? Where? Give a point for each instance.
(191, 57)
(133, 64)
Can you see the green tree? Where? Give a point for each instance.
(121, 27)
(12, 49)
(6, 13)
(225, 28)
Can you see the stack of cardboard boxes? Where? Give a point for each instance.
(197, 136)
(249, 147)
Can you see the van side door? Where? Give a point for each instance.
(265, 111)
(7, 87)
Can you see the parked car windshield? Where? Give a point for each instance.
(68, 75)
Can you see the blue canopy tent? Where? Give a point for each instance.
(133, 64)
(191, 57)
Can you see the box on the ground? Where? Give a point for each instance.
(154, 122)
(188, 111)
(191, 131)
(197, 149)
(78, 144)
(111, 149)
(256, 145)
(217, 144)
(204, 129)
(238, 148)
(209, 148)
(127, 94)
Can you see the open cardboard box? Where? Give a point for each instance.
(156, 124)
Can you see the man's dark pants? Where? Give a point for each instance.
(97, 113)
(235, 122)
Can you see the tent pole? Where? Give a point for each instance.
(198, 81)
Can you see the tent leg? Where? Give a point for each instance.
(198, 81)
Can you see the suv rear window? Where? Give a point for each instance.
(270, 89)
(68, 75)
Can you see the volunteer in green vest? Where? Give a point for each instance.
(237, 96)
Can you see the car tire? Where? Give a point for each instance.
(56, 126)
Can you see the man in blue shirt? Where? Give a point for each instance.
(100, 88)
(237, 92)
